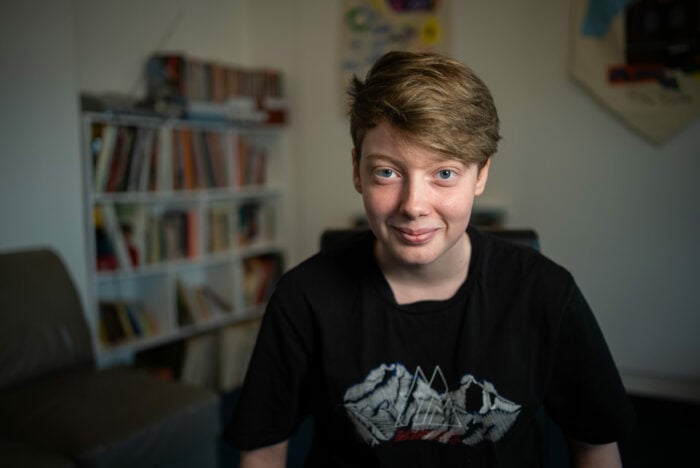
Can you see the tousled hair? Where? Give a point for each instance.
(436, 101)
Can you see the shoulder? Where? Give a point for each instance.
(321, 288)
(507, 264)
(338, 263)
(511, 249)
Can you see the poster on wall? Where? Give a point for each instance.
(371, 28)
(641, 60)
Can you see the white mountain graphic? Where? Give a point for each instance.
(393, 404)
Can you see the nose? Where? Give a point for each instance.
(415, 199)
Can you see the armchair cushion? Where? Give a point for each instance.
(18, 453)
(43, 329)
(114, 417)
(55, 406)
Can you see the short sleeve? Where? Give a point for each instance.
(271, 401)
(586, 397)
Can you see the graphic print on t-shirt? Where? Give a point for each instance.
(392, 404)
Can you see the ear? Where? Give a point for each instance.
(356, 181)
(481, 178)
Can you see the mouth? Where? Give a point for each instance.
(415, 236)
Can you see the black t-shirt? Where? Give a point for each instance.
(433, 383)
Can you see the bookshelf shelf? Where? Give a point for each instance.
(183, 219)
(189, 263)
(255, 192)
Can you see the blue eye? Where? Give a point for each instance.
(386, 173)
(445, 174)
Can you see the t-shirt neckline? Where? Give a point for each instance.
(426, 306)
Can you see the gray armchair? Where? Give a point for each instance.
(58, 409)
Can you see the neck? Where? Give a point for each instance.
(438, 280)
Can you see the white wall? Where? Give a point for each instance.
(40, 178)
(620, 213)
(114, 38)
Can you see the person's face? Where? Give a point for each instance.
(418, 203)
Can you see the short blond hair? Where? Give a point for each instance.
(439, 102)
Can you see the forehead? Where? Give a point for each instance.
(385, 141)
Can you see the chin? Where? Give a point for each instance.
(414, 256)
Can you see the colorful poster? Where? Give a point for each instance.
(372, 27)
(641, 60)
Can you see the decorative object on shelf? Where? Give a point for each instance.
(641, 60)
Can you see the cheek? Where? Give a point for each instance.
(457, 206)
(378, 200)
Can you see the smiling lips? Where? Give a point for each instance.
(415, 236)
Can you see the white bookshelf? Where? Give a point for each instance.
(212, 232)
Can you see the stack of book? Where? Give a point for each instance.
(121, 322)
(209, 89)
(198, 303)
(131, 159)
(260, 274)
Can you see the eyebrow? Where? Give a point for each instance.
(380, 156)
(397, 160)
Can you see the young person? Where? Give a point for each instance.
(426, 342)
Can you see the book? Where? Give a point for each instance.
(192, 241)
(260, 274)
(216, 300)
(177, 162)
(219, 228)
(197, 313)
(153, 241)
(248, 223)
(120, 321)
(165, 160)
(104, 247)
(268, 277)
(124, 321)
(129, 182)
(202, 304)
(257, 166)
(255, 222)
(250, 162)
(218, 161)
(110, 324)
(236, 344)
(137, 326)
(141, 161)
(203, 162)
(218, 82)
(189, 169)
(121, 160)
(133, 171)
(133, 222)
(174, 234)
(114, 232)
(151, 173)
(241, 162)
(200, 362)
(104, 157)
(185, 314)
(148, 322)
